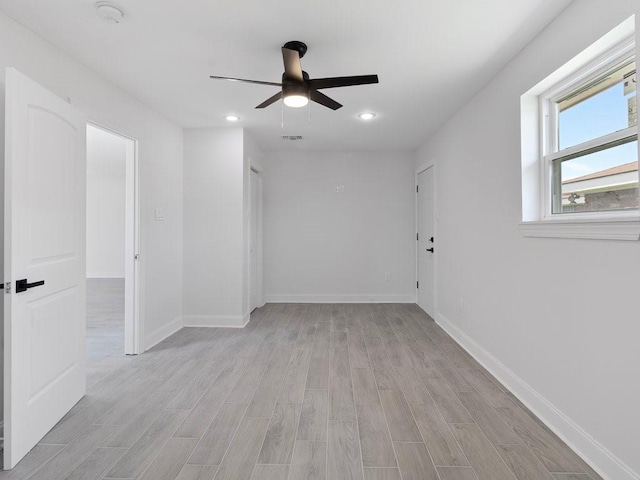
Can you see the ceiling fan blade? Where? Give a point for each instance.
(292, 67)
(270, 100)
(246, 81)
(322, 99)
(319, 83)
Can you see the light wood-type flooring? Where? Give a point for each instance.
(304, 392)
(105, 327)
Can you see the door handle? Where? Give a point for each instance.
(430, 250)
(23, 286)
(431, 239)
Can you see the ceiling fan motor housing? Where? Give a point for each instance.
(295, 89)
(292, 86)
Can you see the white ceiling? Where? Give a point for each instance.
(432, 56)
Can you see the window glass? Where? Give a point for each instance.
(604, 180)
(603, 106)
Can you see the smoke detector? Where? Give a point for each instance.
(109, 13)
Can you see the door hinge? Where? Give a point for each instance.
(6, 286)
(417, 188)
(417, 236)
(417, 284)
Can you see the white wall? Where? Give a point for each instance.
(106, 159)
(215, 227)
(320, 245)
(160, 164)
(554, 318)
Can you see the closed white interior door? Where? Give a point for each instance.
(426, 242)
(253, 241)
(45, 175)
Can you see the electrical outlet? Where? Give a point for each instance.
(387, 277)
(159, 215)
(339, 188)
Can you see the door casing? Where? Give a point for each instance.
(255, 175)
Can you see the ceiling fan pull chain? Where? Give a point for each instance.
(309, 113)
(282, 118)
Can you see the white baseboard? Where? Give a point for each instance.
(161, 333)
(118, 275)
(224, 321)
(595, 454)
(339, 298)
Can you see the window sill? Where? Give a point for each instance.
(592, 229)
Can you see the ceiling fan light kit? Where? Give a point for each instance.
(295, 96)
(295, 100)
(297, 88)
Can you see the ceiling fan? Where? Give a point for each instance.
(297, 87)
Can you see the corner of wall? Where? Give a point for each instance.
(162, 333)
(587, 447)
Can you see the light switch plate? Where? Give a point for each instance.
(159, 214)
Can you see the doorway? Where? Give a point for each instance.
(426, 256)
(255, 240)
(111, 251)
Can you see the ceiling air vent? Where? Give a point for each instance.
(292, 137)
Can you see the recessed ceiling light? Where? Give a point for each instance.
(109, 13)
(232, 118)
(366, 116)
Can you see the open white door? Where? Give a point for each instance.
(426, 247)
(45, 201)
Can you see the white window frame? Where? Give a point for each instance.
(536, 111)
(549, 128)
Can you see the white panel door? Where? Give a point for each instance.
(426, 246)
(45, 176)
(253, 242)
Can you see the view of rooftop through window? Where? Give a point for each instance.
(606, 179)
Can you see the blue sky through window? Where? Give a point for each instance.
(599, 115)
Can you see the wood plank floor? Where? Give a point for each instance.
(304, 392)
(105, 327)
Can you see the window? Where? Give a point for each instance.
(579, 141)
(590, 138)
